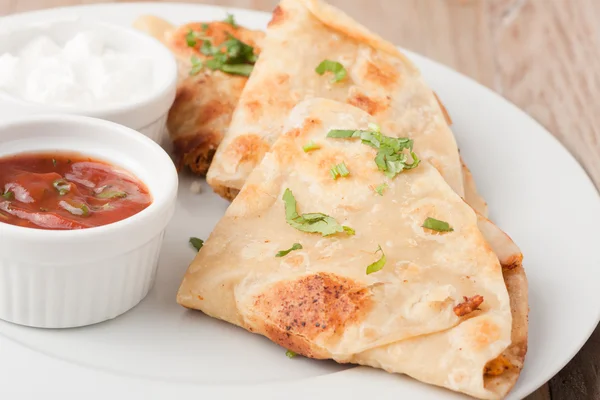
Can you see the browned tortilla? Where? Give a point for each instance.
(439, 310)
(205, 102)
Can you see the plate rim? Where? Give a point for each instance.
(36, 14)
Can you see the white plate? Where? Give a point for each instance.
(536, 192)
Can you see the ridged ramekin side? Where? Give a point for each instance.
(63, 296)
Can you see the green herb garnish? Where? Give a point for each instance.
(8, 195)
(377, 265)
(111, 194)
(381, 188)
(204, 26)
(295, 246)
(196, 243)
(349, 230)
(237, 69)
(196, 65)
(437, 225)
(53, 162)
(339, 170)
(311, 222)
(291, 354)
(62, 186)
(390, 158)
(230, 19)
(207, 48)
(190, 38)
(81, 210)
(310, 146)
(232, 56)
(338, 70)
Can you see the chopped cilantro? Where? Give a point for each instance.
(311, 222)
(196, 243)
(381, 188)
(238, 69)
(377, 265)
(437, 225)
(230, 19)
(196, 65)
(390, 158)
(232, 56)
(282, 253)
(291, 354)
(192, 37)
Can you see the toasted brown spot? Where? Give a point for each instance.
(295, 260)
(294, 132)
(326, 160)
(310, 123)
(247, 148)
(368, 104)
(322, 304)
(282, 78)
(213, 110)
(444, 111)
(497, 366)
(382, 73)
(469, 305)
(485, 333)
(297, 344)
(512, 262)
(225, 192)
(278, 16)
(307, 126)
(254, 107)
(200, 297)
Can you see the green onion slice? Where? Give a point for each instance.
(338, 70)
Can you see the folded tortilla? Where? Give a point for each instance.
(416, 315)
(471, 194)
(380, 80)
(205, 102)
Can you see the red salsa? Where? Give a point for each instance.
(67, 191)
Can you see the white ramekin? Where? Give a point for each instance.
(59, 279)
(147, 116)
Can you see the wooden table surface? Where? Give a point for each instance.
(543, 55)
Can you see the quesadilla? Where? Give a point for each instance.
(208, 88)
(332, 253)
(471, 194)
(311, 49)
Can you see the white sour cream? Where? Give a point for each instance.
(85, 72)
